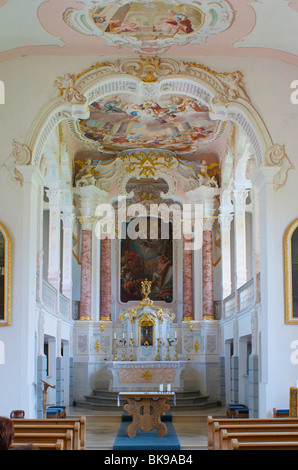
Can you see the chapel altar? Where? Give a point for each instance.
(149, 341)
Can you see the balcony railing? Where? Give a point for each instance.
(246, 296)
(49, 296)
(52, 303)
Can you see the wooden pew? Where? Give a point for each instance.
(46, 438)
(63, 421)
(253, 437)
(59, 445)
(245, 421)
(283, 413)
(264, 445)
(257, 428)
(50, 429)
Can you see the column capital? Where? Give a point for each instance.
(225, 221)
(208, 223)
(67, 219)
(240, 196)
(87, 222)
(54, 196)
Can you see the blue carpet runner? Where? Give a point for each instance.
(147, 440)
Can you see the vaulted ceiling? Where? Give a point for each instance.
(262, 28)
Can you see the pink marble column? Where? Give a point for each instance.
(208, 298)
(187, 283)
(105, 280)
(86, 275)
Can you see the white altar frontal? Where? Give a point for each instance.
(146, 375)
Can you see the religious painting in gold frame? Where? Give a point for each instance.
(291, 273)
(5, 277)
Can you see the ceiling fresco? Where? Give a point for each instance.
(178, 123)
(150, 26)
(188, 28)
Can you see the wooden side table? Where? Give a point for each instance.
(146, 409)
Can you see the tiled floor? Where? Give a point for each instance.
(102, 427)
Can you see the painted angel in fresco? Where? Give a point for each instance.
(177, 23)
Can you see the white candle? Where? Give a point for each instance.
(175, 335)
(114, 335)
(161, 388)
(168, 387)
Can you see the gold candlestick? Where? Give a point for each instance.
(168, 358)
(115, 358)
(176, 351)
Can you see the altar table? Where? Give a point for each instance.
(146, 409)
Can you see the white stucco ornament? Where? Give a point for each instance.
(150, 27)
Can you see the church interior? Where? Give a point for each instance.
(148, 221)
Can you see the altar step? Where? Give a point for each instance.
(104, 400)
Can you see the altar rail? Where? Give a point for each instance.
(243, 298)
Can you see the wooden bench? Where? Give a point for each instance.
(45, 438)
(59, 445)
(50, 429)
(283, 413)
(63, 421)
(261, 428)
(221, 423)
(264, 445)
(253, 437)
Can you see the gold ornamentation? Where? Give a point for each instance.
(196, 346)
(146, 288)
(288, 273)
(104, 319)
(191, 328)
(96, 347)
(7, 276)
(147, 164)
(147, 376)
(102, 327)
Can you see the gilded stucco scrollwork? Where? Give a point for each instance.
(276, 156)
(20, 155)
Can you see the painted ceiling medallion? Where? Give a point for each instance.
(151, 26)
(176, 123)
